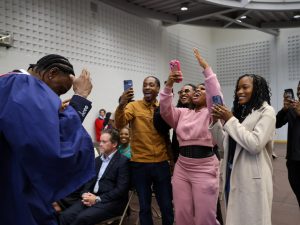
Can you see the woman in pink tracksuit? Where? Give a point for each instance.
(196, 176)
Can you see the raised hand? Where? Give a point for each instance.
(200, 59)
(127, 96)
(174, 76)
(82, 85)
(296, 106)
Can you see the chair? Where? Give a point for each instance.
(119, 218)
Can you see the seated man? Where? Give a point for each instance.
(106, 195)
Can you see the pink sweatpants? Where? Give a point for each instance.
(195, 190)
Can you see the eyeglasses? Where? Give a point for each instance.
(186, 91)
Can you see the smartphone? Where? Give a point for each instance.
(217, 100)
(289, 93)
(175, 66)
(127, 84)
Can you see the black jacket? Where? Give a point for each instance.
(293, 136)
(114, 183)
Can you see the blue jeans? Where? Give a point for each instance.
(146, 176)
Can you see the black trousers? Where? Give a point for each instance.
(293, 168)
(157, 175)
(78, 214)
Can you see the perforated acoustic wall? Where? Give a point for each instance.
(83, 31)
(182, 49)
(234, 61)
(293, 46)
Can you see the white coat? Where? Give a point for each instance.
(251, 191)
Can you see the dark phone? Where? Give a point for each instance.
(127, 84)
(217, 100)
(289, 93)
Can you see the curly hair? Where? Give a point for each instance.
(261, 93)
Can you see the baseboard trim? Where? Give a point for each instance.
(280, 141)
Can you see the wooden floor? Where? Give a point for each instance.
(285, 207)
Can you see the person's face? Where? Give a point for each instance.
(199, 96)
(58, 81)
(102, 113)
(185, 94)
(106, 146)
(124, 136)
(150, 89)
(244, 90)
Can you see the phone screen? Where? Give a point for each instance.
(127, 84)
(217, 100)
(289, 93)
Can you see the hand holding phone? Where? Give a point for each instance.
(128, 94)
(217, 100)
(175, 66)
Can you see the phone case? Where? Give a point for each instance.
(175, 66)
(127, 84)
(217, 100)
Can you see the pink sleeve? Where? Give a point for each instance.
(167, 110)
(212, 87)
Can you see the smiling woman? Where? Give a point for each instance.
(247, 139)
(194, 188)
(124, 147)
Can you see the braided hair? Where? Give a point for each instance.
(50, 61)
(261, 93)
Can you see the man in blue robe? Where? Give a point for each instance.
(45, 153)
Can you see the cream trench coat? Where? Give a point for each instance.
(251, 192)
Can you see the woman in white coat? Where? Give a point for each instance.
(247, 139)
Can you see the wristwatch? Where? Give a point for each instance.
(98, 199)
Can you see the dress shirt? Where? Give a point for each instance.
(105, 162)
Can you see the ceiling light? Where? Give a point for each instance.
(243, 17)
(297, 16)
(238, 21)
(184, 6)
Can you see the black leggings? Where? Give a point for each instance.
(294, 177)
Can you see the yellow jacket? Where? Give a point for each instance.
(147, 145)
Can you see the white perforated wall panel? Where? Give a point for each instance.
(234, 61)
(108, 38)
(293, 46)
(182, 49)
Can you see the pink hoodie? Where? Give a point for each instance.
(191, 126)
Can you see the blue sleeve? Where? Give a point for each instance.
(52, 149)
(81, 105)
